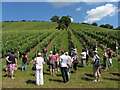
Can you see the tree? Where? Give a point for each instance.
(55, 19)
(102, 25)
(94, 24)
(64, 22)
(107, 26)
(118, 28)
(111, 27)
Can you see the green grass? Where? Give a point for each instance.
(81, 79)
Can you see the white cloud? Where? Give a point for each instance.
(100, 12)
(78, 9)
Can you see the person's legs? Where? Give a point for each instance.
(37, 77)
(41, 77)
(23, 66)
(66, 74)
(84, 62)
(63, 74)
(12, 74)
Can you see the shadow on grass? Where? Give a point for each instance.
(30, 82)
(56, 80)
(116, 74)
(59, 75)
(90, 75)
(113, 79)
(87, 79)
(46, 73)
(4, 70)
(32, 75)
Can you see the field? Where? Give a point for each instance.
(30, 37)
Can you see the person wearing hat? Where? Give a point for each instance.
(39, 61)
(96, 64)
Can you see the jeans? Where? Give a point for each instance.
(64, 71)
(23, 66)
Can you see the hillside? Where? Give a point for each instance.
(32, 37)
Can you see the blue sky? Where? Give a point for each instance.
(102, 12)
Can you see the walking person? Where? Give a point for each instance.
(96, 64)
(83, 58)
(51, 59)
(45, 54)
(39, 61)
(110, 57)
(24, 61)
(72, 52)
(75, 62)
(69, 63)
(105, 60)
(7, 64)
(12, 63)
(87, 54)
(56, 62)
(64, 67)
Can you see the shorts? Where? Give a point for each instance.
(11, 67)
(52, 66)
(110, 60)
(96, 72)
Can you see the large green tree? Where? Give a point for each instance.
(94, 24)
(55, 19)
(64, 22)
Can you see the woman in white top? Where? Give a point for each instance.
(83, 58)
(39, 61)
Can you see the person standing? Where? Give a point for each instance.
(12, 63)
(39, 61)
(45, 54)
(110, 57)
(64, 67)
(56, 62)
(72, 52)
(96, 64)
(69, 63)
(75, 62)
(83, 58)
(24, 61)
(105, 60)
(87, 54)
(7, 64)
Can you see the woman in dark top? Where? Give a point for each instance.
(24, 61)
(12, 63)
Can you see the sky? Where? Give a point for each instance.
(89, 12)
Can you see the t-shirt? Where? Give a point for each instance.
(69, 59)
(39, 62)
(56, 58)
(83, 55)
(24, 60)
(12, 59)
(109, 54)
(72, 53)
(63, 60)
(96, 59)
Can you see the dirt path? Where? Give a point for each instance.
(48, 47)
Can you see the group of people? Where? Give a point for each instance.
(65, 61)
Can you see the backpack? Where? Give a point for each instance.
(97, 62)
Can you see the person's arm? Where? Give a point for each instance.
(8, 59)
(16, 60)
